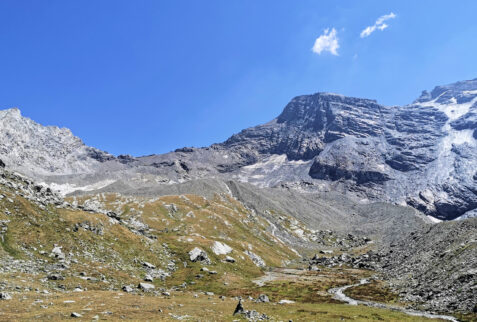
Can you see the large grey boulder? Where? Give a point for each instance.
(146, 287)
(199, 255)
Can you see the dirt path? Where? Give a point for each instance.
(338, 293)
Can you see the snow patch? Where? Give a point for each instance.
(452, 110)
(67, 188)
(434, 219)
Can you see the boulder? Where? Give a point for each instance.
(146, 287)
(127, 289)
(239, 308)
(262, 298)
(229, 259)
(199, 255)
(221, 248)
(55, 277)
(148, 265)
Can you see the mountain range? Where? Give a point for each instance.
(422, 155)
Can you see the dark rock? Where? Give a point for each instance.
(239, 308)
(55, 277)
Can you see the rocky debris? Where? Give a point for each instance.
(257, 260)
(76, 315)
(282, 302)
(148, 278)
(332, 261)
(5, 296)
(221, 248)
(179, 317)
(28, 189)
(434, 268)
(146, 287)
(249, 315)
(331, 238)
(86, 225)
(2, 164)
(199, 255)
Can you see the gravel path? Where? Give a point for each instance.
(338, 293)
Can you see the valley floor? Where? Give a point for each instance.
(307, 292)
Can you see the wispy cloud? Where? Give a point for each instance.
(379, 24)
(328, 41)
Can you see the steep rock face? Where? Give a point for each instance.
(309, 122)
(351, 158)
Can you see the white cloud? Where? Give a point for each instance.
(328, 41)
(379, 24)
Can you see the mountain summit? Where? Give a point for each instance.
(422, 154)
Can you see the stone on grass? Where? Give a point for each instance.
(221, 248)
(229, 259)
(146, 287)
(199, 255)
(127, 289)
(263, 298)
(55, 277)
(148, 265)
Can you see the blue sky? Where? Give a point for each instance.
(143, 77)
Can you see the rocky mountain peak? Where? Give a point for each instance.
(461, 92)
(35, 149)
(14, 113)
(314, 112)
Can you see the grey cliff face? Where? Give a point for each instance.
(423, 154)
